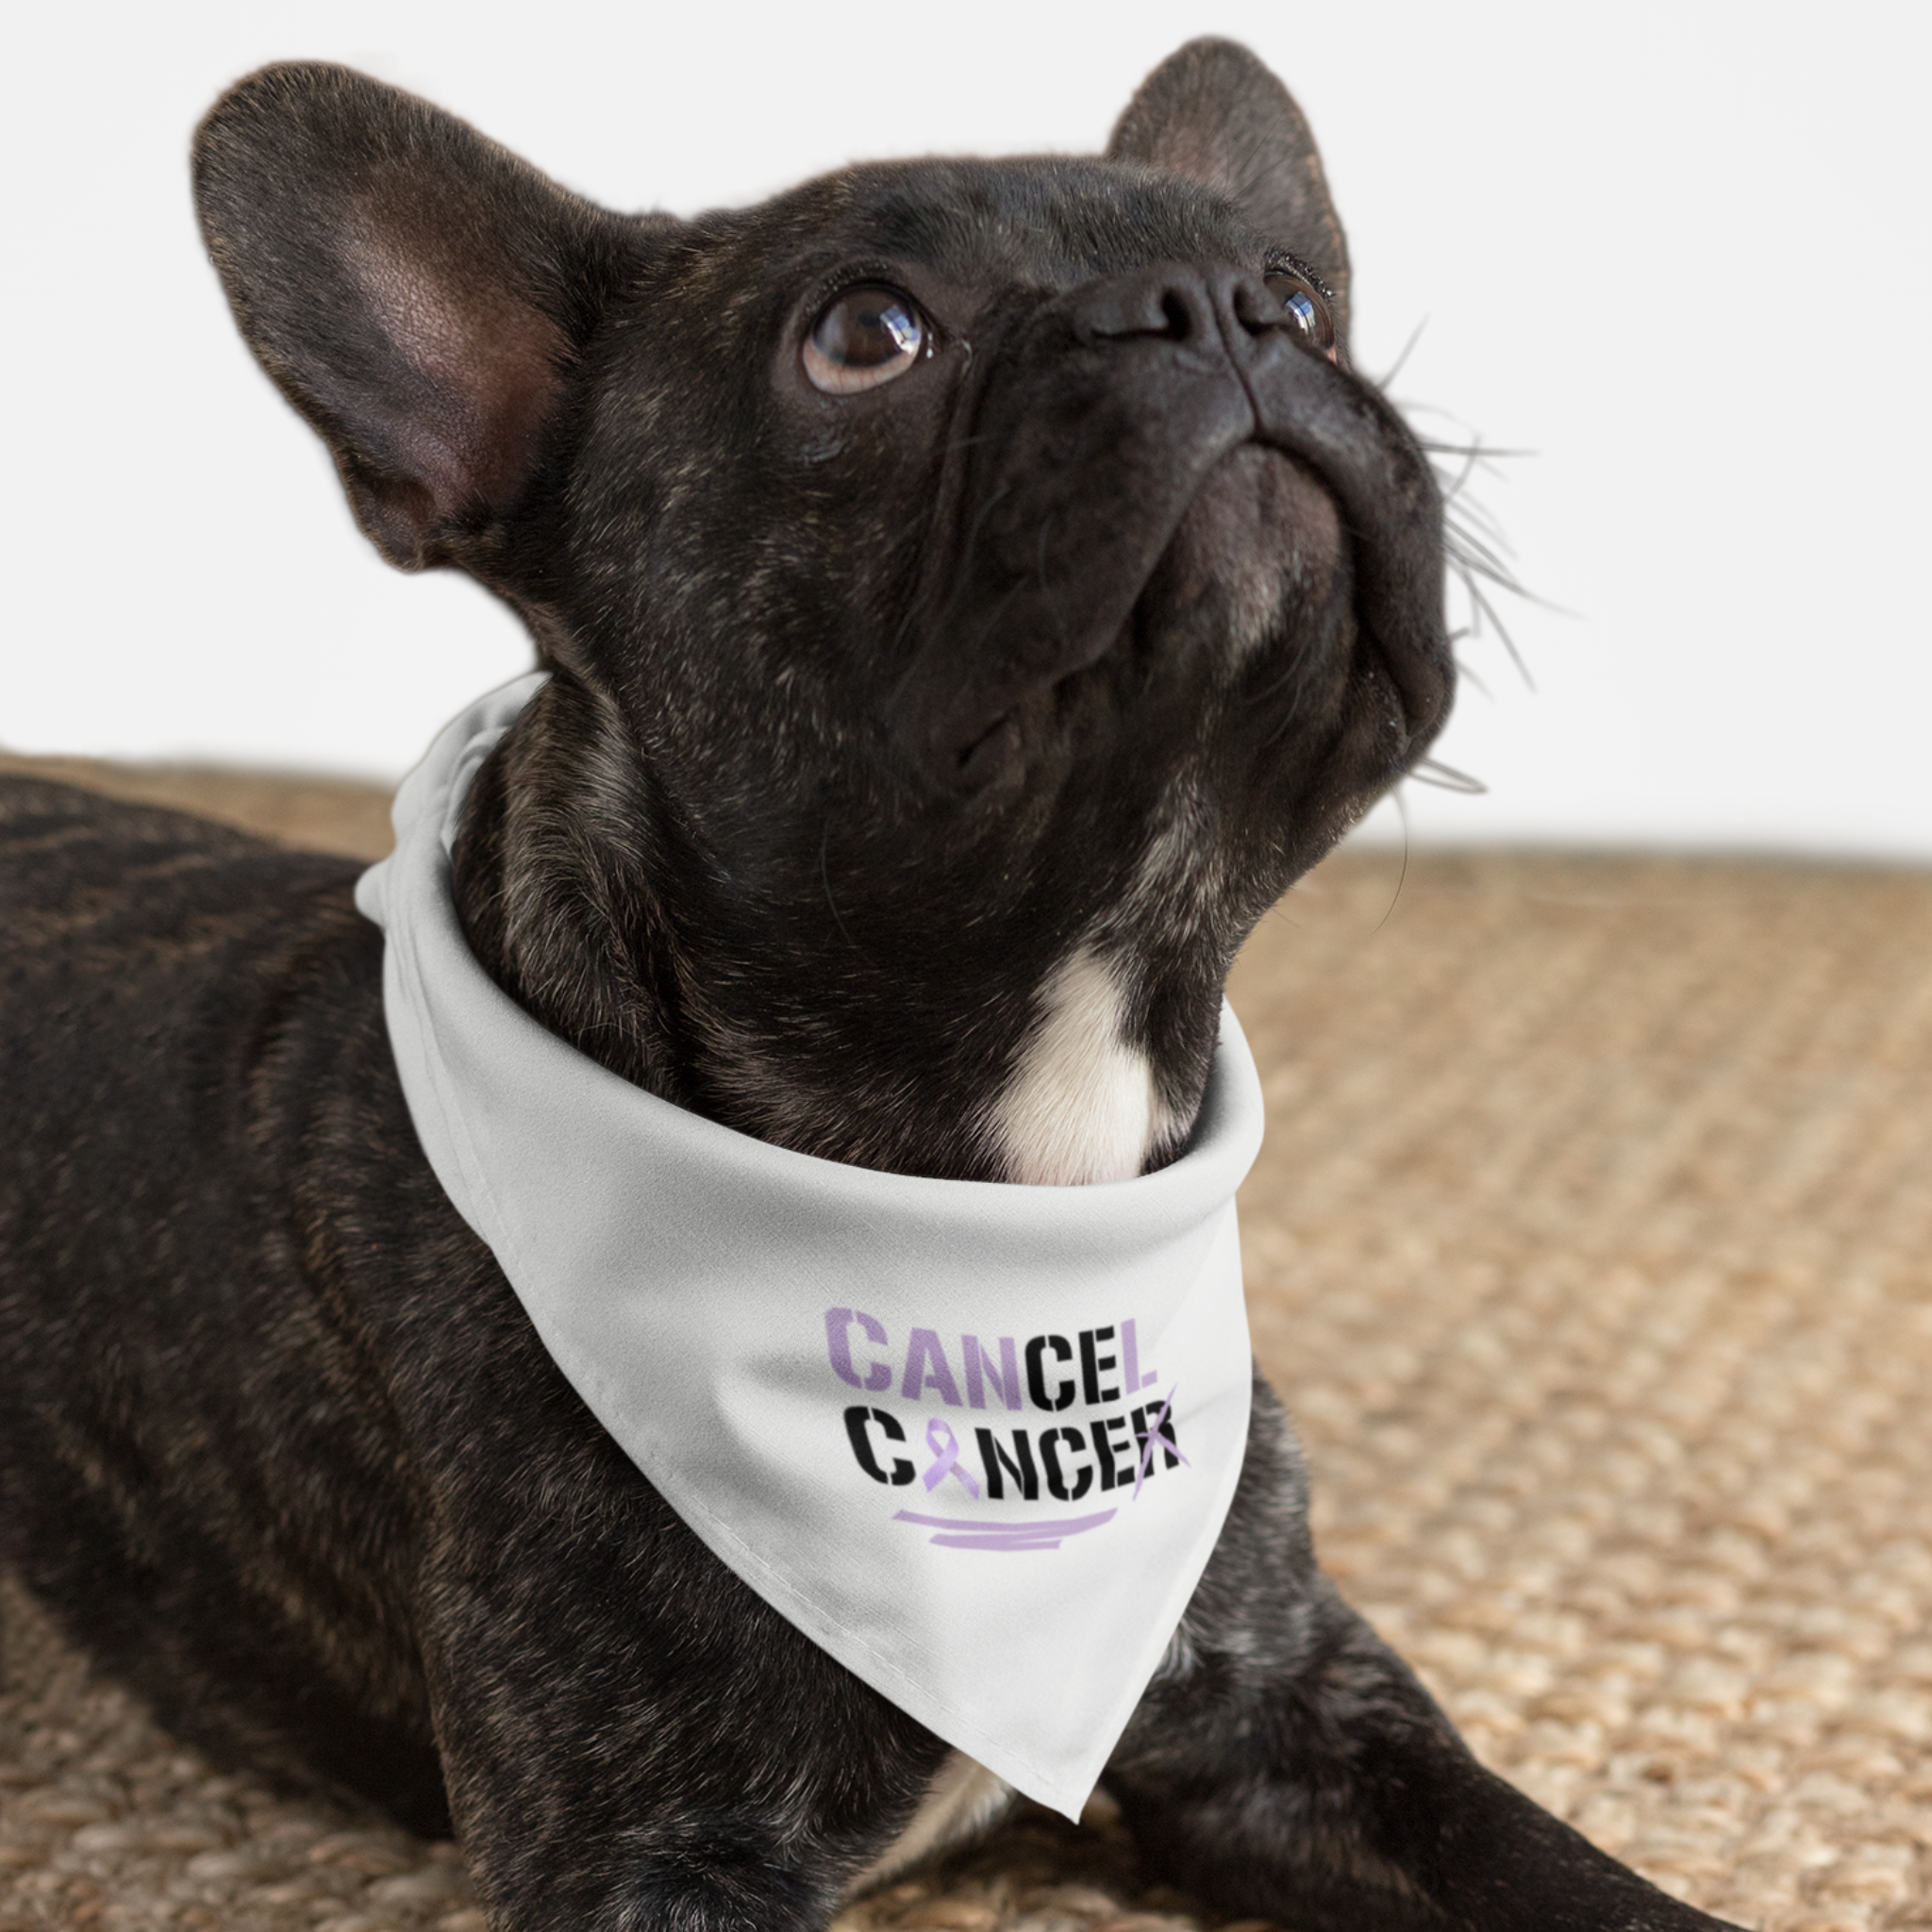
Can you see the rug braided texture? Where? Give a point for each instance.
(1592, 1248)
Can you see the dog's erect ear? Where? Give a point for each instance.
(415, 290)
(1212, 112)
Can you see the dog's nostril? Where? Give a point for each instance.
(967, 752)
(1158, 304)
(973, 763)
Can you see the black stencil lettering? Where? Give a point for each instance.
(1050, 1454)
(1103, 1449)
(1035, 1371)
(1092, 1362)
(1142, 1459)
(992, 1455)
(856, 1420)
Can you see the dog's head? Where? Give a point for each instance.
(975, 589)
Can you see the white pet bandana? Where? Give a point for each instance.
(976, 1441)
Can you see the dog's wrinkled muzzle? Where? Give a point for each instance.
(1088, 446)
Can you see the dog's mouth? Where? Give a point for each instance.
(1254, 565)
(1264, 581)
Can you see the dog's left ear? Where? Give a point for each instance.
(1213, 114)
(415, 290)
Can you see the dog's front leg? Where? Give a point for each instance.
(631, 1738)
(1286, 1763)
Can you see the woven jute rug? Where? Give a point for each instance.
(1591, 1247)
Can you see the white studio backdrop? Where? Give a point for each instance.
(1677, 252)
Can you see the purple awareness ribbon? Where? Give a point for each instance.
(1155, 1440)
(946, 1458)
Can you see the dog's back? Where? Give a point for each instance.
(270, 1404)
(187, 1014)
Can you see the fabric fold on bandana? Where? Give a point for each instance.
(976, 1441)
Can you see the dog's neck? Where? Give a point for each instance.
(568, 886)
(1081, 1103)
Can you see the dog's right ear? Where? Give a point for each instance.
(414, 289)
(1213, 112)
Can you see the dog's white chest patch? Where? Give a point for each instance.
(1081, 1105)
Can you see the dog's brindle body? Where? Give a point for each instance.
(920, 748)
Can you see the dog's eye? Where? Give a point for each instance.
(1306, 309)
(866, 337)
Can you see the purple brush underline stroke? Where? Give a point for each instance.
(1044, 1534)
(1015, 1549)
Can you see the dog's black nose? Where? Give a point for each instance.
(1171, 302)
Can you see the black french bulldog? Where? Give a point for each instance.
(974, 591)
